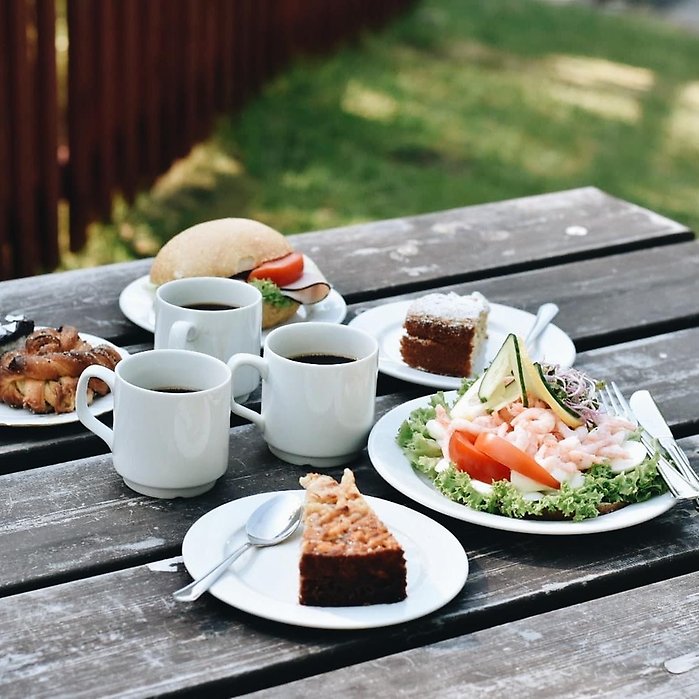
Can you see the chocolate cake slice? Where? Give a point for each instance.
(446, 333)
(348, 556)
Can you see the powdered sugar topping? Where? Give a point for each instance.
(450, 306)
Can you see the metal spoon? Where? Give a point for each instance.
(272, 522)
(546, 313)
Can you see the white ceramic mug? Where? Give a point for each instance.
(316, 414)
(235, 326)
(165, 444)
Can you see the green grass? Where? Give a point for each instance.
(459, 102)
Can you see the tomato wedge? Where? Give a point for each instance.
(281, 271)
(507, 453)
(473, 461)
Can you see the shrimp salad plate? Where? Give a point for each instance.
(385, 323)
(525, 447)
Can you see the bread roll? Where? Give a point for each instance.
(273, 315)
(220, 248)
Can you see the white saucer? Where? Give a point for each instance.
(385, 323)
(18, 417)
(265, 582)
(136, 303)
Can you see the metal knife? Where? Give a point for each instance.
(652, 421)
(650, 417)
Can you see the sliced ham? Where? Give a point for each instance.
(310, 287)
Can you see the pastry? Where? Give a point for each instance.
(348, 556)
(43, 375)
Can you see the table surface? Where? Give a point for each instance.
(88, 566)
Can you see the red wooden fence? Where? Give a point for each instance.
(28, 138)
(145, 81)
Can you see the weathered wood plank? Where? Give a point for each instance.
(604, 300)
(85, 298)
(405, 254)
(83, 582)
(46, 509)
(77, 520)
(50, 508)
(54, 637)
(616, 646)
(601, 300)
(480, 241)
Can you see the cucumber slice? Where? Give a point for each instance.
(541, 389)
(505, 371)
(507, 395)
(511, 376)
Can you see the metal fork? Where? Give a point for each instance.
(682, 461)
(615, 403)
(678, 459)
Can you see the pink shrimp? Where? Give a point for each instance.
(537, 431)
(536, 420)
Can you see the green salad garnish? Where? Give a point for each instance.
(271, 293)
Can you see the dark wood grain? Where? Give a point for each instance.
(85, 298)
(565, 653)
(59, 633)
(47, 510)
(602, 301)
(405, 254)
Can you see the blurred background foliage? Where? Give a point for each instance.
(459, 102)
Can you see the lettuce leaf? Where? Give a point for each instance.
(271, 293)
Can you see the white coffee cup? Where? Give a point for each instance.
(235, 326)
(315, 414)
(165, 444)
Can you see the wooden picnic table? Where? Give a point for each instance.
(89, 567)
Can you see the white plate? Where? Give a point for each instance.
(389, 460)
(18, 417)
(385, 323)
(136, 303)
(265, 582)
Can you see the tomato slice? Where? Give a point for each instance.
(507, 453)
(473, 461)
(281, 271)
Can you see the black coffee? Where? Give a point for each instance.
(210, 306)
(322, 359)
(174, 389)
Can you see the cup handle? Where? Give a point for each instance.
(180, 334)
(83, 410)
(259, 363)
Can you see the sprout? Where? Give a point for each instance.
(575, 389)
